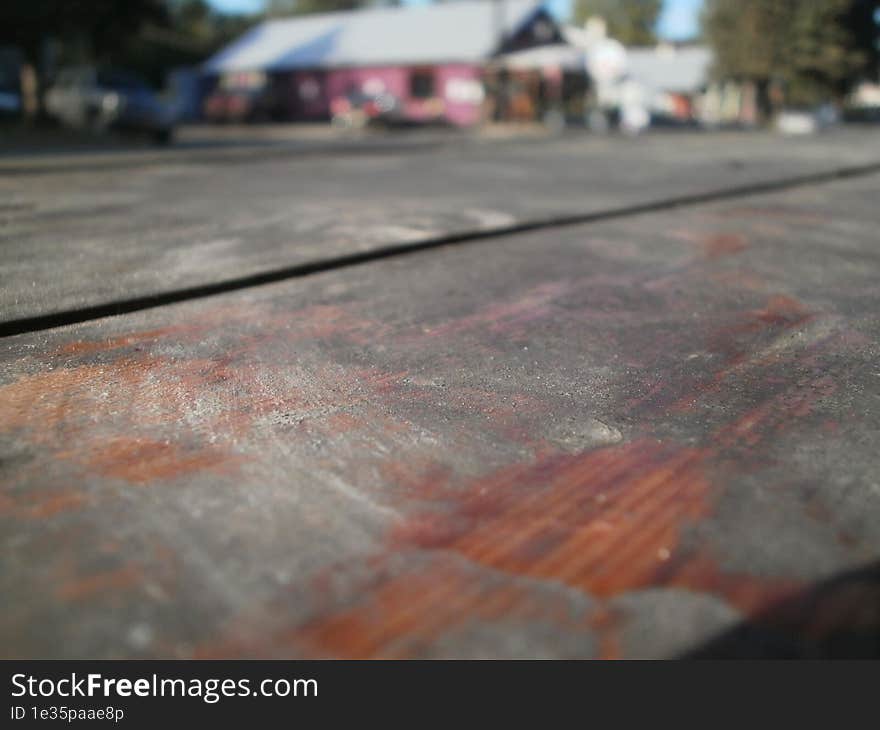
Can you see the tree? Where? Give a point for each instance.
(206, 27)
(813, 51)
(98, 28)
(631, 22)
(193, 18)
(864, 24)
(50, 32)
(146, 36)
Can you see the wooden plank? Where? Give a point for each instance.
(90, 237)
(616, 440)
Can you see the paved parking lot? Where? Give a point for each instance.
(549, 398)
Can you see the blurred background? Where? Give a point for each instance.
(97, 68)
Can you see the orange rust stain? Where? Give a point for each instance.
(724, 244)
(60, 407)
(596, 521)
(56, 504)
(781, 312)
(605, 622)
(113, 580)
(416, 606)
(51, 398)
(406, 613)
(141, 461)
(85, 347)
(716, 244)
(605, 522)
(37, 503)
(147, 397)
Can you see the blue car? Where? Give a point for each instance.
(99, 99)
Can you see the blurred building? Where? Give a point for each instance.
(863, 103)
(656, 84)
(671, 78)
(411, 64)
(549, 83)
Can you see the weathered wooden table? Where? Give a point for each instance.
(644, 436)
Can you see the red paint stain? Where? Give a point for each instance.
(724, 244)
(714, 245)
(780, 313)
(734, 346)
(606, 522)
(773, 415)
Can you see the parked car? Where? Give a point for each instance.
(10, 86)
(248, 96)
(10, 101)
(99, 99)
(236, 106)
(807, 120)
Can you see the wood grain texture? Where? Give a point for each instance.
(622, 439)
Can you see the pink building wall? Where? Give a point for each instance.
(457, 96)
(464, 102)
(308, 95)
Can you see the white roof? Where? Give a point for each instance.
(677, 70)
(464, 31)
(562, 55)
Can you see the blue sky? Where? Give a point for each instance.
(678, 20)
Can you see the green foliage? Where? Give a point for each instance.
(98, 27)
(147, 36)
(629, 21)
(815, 50)
(193, 18)
(201, 25)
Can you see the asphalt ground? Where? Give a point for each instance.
(499, 432)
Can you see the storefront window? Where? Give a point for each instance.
(421, 84)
